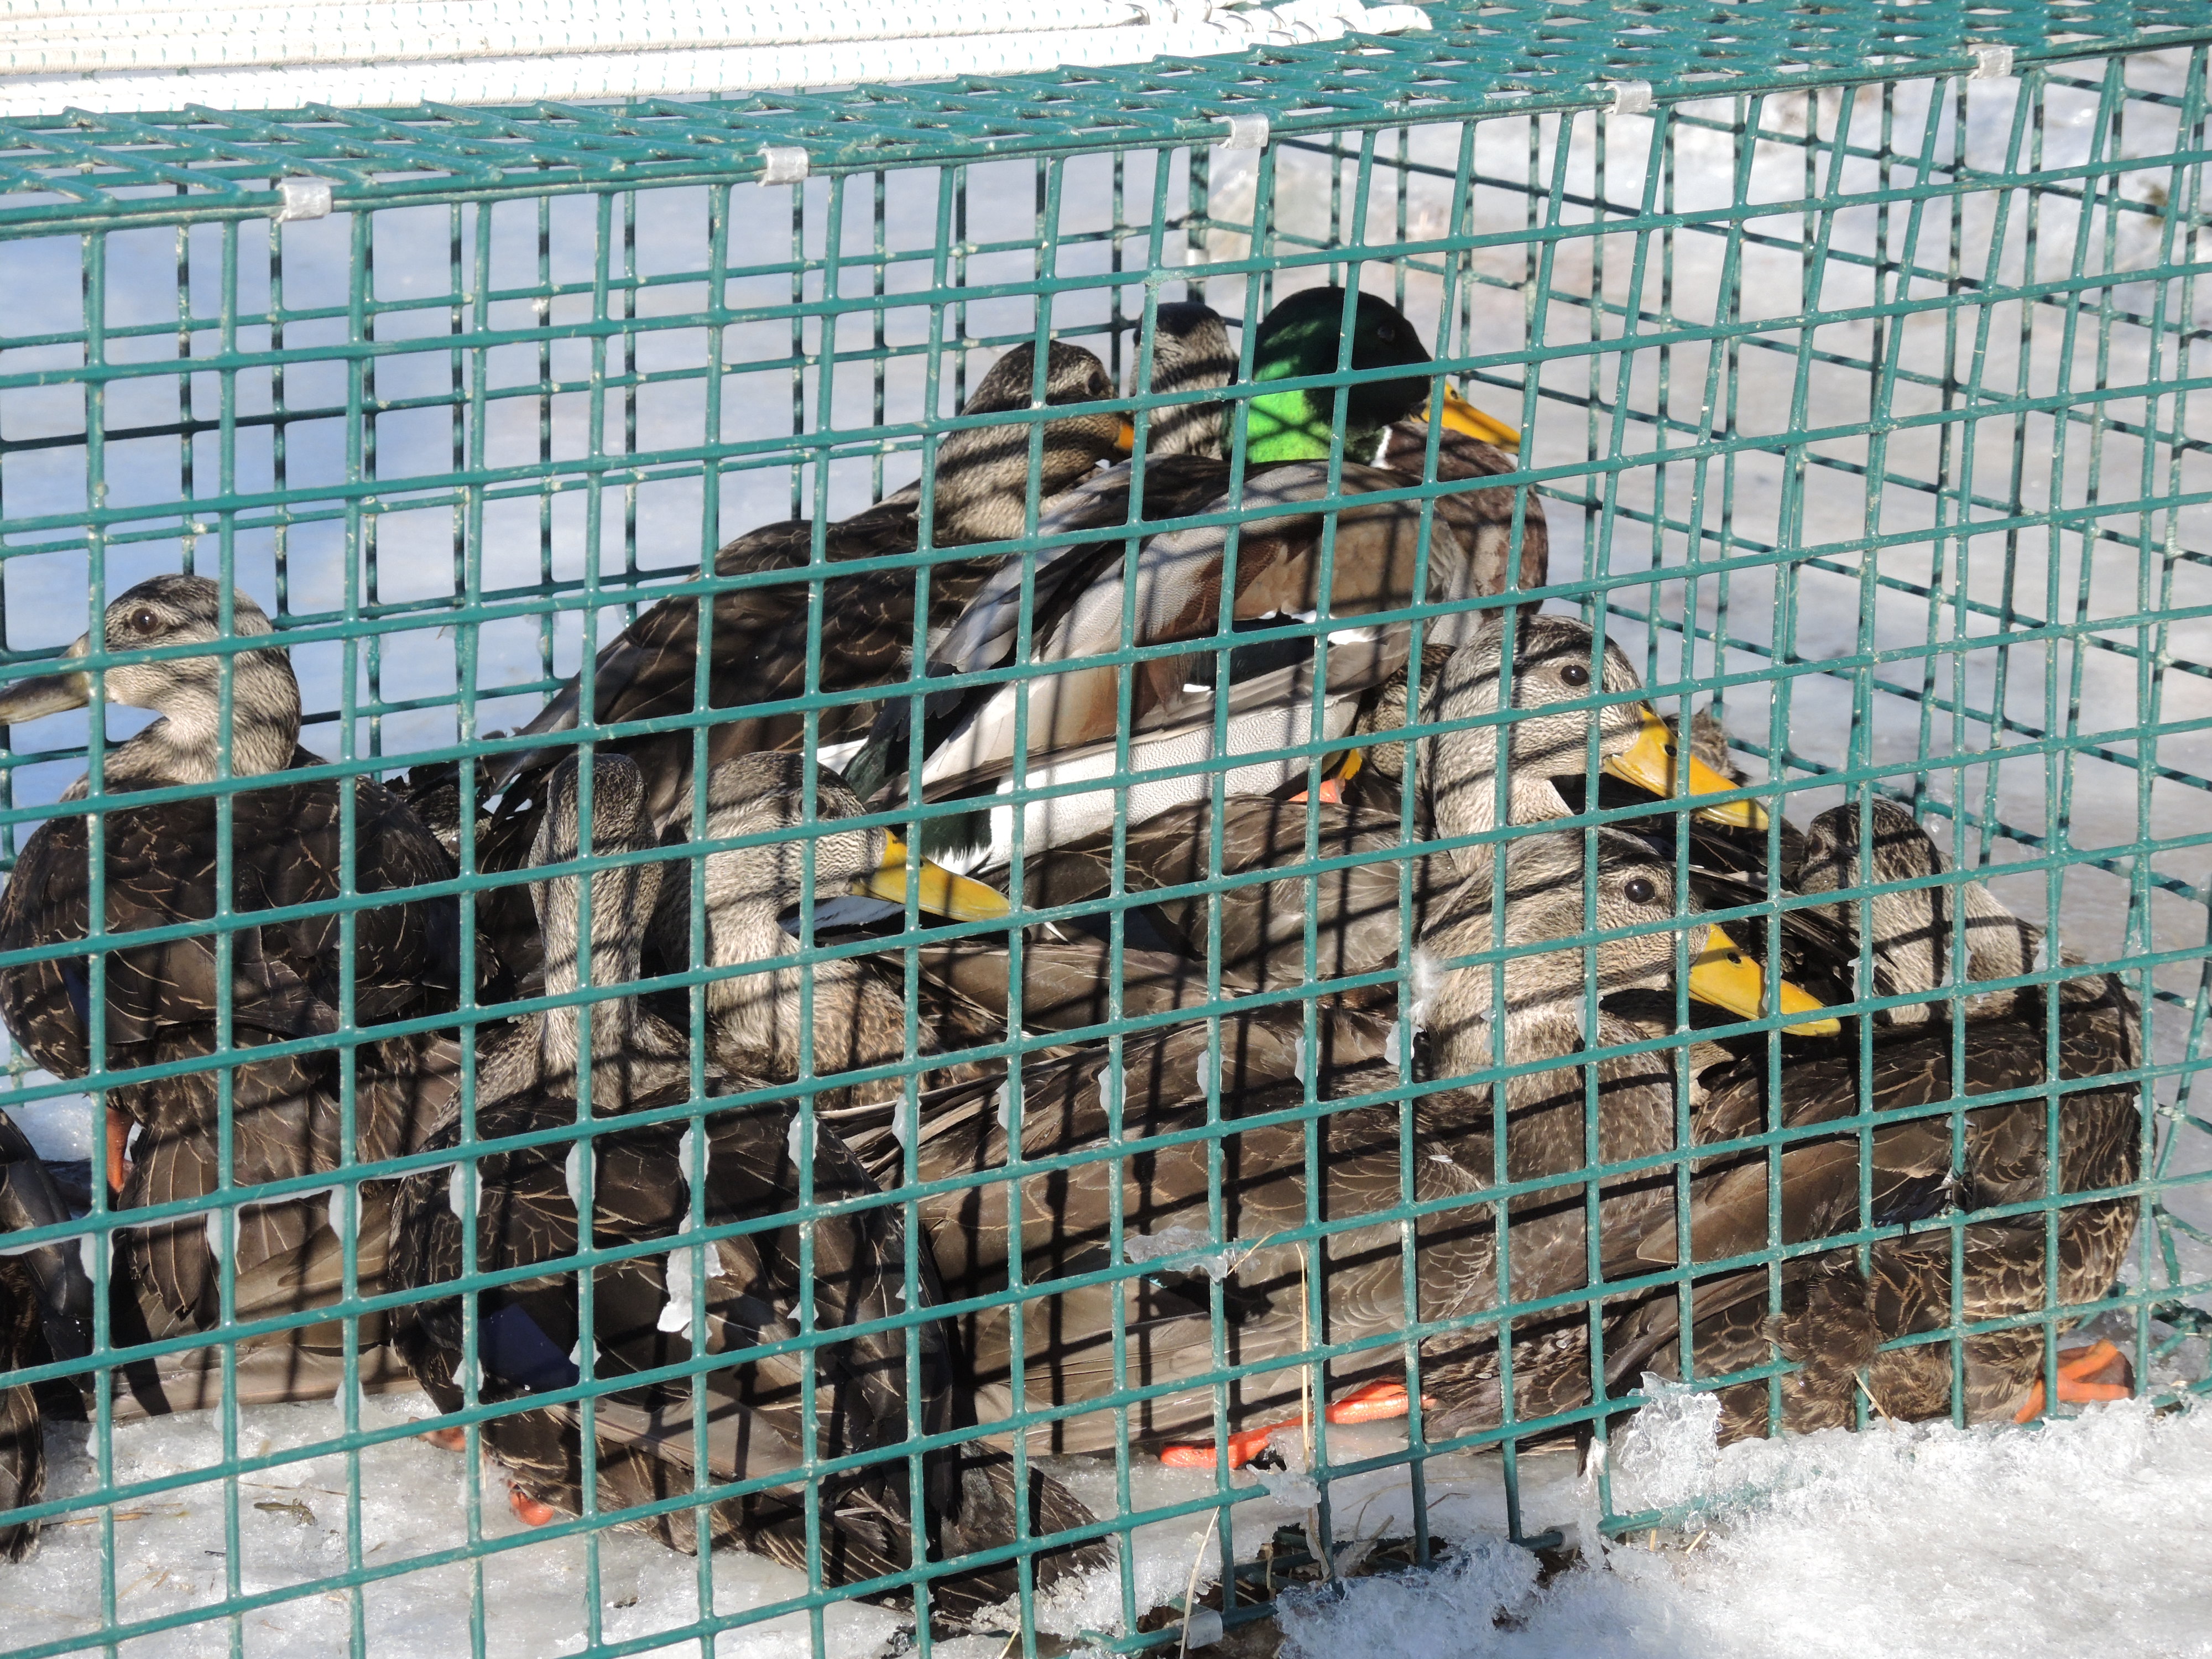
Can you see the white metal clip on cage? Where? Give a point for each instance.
(1992, 60)
(1629, 97)
(1245, 132)
(304, 199)
(782, 164)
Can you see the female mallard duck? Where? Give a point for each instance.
(164, 1001)
(1308, 547)
(1911, 934)
(979, 491)
(1833, 1317)
(1355, 907)
(1160, 1163)
(748, 1288)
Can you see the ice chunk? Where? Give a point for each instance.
(1202, 1629)
(689, 1154)
(1485, 1586)
(676, 1312)
(1006, 1102)
(1217, 1261)
(1298, 1057)
(457, 1188)
(572, 1172)
(795, 1140)
(215, 1234)
(1293, 1487)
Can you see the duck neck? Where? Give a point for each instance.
(757, 1015)
(1295, 426)
(980, 491)
(614, 961)
(1463, 1044)
(185, 745)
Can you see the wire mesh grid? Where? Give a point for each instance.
(1857, 415)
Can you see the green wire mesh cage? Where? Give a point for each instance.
(1849, 354)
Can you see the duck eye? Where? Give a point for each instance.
(1640, 890)
(144, 621)
(1575, 674)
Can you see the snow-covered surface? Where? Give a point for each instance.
(2089, 1535)
(172, 1552)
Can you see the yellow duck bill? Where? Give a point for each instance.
(1461, 415)
(1725, 976)
(938, 890)
(1650, 764)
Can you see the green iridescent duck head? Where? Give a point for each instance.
(1302, 337)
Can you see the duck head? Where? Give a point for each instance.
(1553, 893)
(1551, 674)
(183, 746)
(1304, 337)
(982, 473)
(1913, 932)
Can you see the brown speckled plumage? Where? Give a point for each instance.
(746, 1166)
(161, 999)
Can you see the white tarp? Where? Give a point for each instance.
(147, 55)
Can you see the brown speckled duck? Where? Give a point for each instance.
(661, 1305)
(1356, 907)
(1163, 1173)
(161, 1001)
(1833, 1317)
(1297, 559)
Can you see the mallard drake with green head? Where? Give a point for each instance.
(1308, 547)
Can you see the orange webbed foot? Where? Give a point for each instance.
(118, 1143)
(528, 1511)
(1244, 1446)
(2099, 1372)
(1372, 1402)
(1375, 1402)
(452, 1440)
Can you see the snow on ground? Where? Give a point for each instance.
(172, 1553)
(2088, 1536)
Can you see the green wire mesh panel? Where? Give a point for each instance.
(1854, 355)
